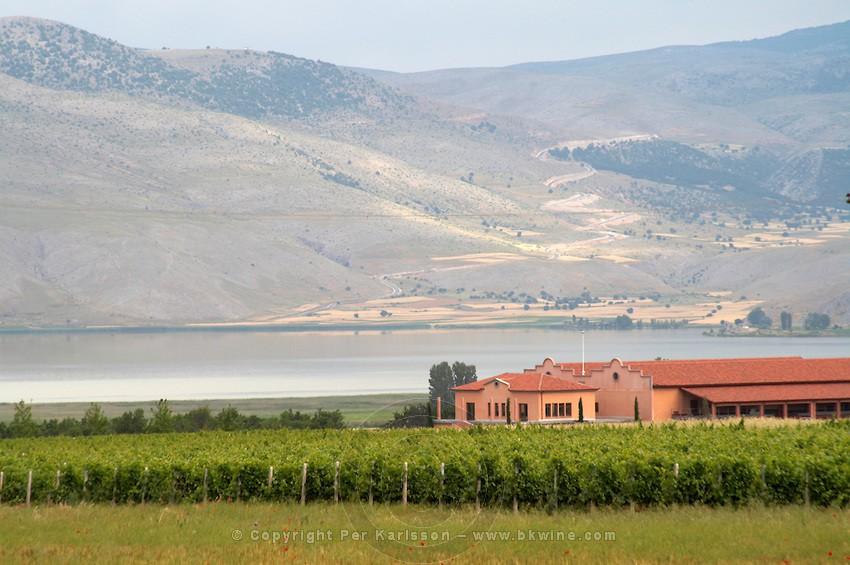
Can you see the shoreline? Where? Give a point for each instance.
(249, 327)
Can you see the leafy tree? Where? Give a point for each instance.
(94, 421)
(294, 420)
(130, 422)
(758, 318)
(442, 377)
(22, 424)
(412, 416)
(327, 419)
(194, 420)
(816, 321)
(463, 374)
(162, 420)
(229, 419)
(785, 321)
(440, 383)
(623, 322)
(580, 410)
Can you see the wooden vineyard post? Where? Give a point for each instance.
(29, 488)
(304, 485)
(145, 485)
(271, 477)
(676, 470)
(404, 486)
(206, 491)
(2, 480)
(336, 482)
(85, 482)
(442, 482)
(114, 486)
(764, 477)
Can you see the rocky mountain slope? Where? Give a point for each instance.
(173, 186)
(246, 83)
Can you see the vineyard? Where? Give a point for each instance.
(524, 467)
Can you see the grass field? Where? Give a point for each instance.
(206, 533)
(366, 409)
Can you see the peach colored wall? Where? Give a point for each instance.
(535, 400)
(665, 401)
(616, 397)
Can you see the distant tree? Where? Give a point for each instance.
(327, 419)
(130, 422)
(412, 416)
(623, 322)
(440, 383)
(195, 420)
(758, 318)
(785, 321)
(162, 418)
(294, 420)
(580, 410)
(94, 421)
(229, 419)
(637, 410)
(442, 377)
(816, 321)
(463, 374)
(22, 424)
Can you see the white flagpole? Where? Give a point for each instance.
(582, 353)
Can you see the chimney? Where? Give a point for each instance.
(439, 408)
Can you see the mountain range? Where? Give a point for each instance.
(174, 187)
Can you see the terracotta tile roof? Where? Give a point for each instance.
(742, 371)
(772, 393)
(528, 382)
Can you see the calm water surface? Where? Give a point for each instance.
(184, 365)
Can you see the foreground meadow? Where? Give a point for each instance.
(325, 533)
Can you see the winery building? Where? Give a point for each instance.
(659, 390)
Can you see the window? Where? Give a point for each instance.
(750, 410)
(727, 411)
(799, 411)
(845, 409)
(825, 409)
(616, 376)
(504, 412)
(773, 411)
(488, 410)
(470, 411)
(497, 409)
(523, 412)
(569, 410)
(548, 410)
(695, 411)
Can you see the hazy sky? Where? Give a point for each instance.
(410, 35)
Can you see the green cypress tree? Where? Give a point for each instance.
(637, 410)
(580, 411)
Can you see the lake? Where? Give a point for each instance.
(67, 367)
